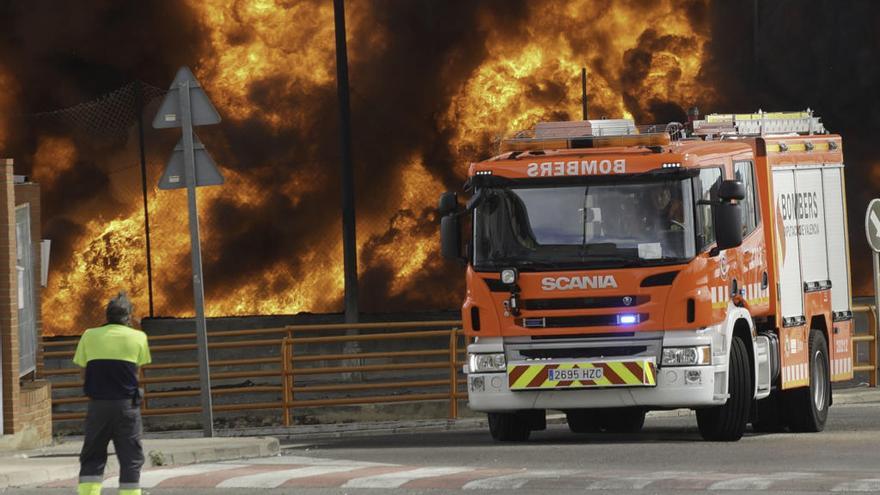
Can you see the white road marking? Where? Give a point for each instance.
(762, 482)
(313, 461)
(635, 482)
(863, 485)
(514, 480)
(151, 478)
(275, 479)
(395, 480)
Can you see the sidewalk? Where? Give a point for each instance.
(61, 461)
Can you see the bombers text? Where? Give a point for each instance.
(576, 167)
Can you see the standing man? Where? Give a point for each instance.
(111, 355)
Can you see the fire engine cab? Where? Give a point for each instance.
(613, 270)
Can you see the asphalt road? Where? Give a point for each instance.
(667, 457)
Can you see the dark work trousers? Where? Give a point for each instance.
(119, 421)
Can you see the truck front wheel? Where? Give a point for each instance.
(509, 427)
(808, 406)
(728, 422)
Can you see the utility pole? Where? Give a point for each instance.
(349, 239)
(584, 91)
(756, 58)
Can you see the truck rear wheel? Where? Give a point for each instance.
(728, 422)
(808, 406)
(509, 427)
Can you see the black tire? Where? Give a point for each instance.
(623, 420)
(768, 414)
(728, 422)
(584, 420)
(509, 427)
(808, 406)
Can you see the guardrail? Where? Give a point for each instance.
(871, 339)
(373, 357)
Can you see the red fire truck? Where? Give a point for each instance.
(613, 270)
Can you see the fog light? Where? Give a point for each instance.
(496, 382)
(508, 276)
(692, 377)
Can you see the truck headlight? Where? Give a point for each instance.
(487, 363)
(687, 356)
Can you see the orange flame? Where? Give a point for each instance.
(648, 52)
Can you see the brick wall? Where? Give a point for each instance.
(9, 303)
(36, 411)
(27, 405)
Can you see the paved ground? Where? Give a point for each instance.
(668, 457)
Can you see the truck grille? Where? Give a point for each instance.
(582, 352)
(585, 302)
(574, 321)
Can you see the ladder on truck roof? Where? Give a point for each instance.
(759, 124)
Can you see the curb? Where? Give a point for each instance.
(62, 462)
(159, 457)
(32, 476)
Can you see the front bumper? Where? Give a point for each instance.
(490, 392)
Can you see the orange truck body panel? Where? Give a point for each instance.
(705, 280)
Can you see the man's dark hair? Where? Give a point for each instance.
(119, 309)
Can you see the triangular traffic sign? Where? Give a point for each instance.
(201, 108)
(207, 173)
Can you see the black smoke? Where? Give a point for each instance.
(784, 54)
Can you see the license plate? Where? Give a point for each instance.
(613, 373)
(574, 374)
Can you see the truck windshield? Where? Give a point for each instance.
(607, 224)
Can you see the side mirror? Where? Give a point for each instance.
(728, 225)
(448, 203)
(731, 189)
(450, 237)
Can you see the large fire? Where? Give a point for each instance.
(266, 65)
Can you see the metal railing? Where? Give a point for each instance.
(391, 363)
(386, 367)
(871, 339)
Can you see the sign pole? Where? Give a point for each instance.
(196, 251)
(876, 257)
(186, 105)
(872, 231)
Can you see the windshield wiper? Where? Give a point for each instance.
(520, 262)
(600, 258)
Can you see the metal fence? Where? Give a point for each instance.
(309, 366)
(870, 338)
(390, 363)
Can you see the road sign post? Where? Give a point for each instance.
(186, 105)
(872, 231)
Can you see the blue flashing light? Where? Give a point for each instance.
(628, 319)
